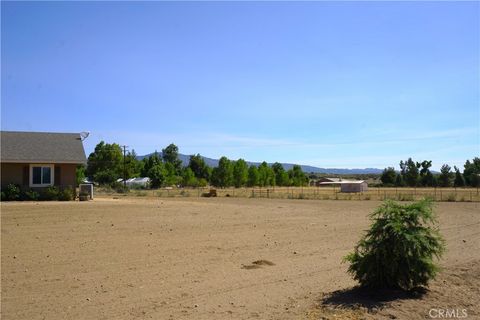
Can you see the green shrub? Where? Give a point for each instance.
(51, 193)
(11, 193)
(2, 196)
(202, 182)
(31, 195)
(398, 249)
(67, 194)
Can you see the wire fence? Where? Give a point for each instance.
(314, 193)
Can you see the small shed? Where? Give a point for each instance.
(353, 186)
(349, 185)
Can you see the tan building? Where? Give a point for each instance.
(349, 185)
(40, 159)
(353, 186)
(321, 181)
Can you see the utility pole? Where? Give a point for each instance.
(124, 168)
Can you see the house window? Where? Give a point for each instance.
(41, 175)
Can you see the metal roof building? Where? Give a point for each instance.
(349, 185)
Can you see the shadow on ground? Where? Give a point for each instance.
(368, 299)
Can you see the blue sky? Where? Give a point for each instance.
(350, 84)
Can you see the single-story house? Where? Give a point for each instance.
(349, 185)
(40, 159)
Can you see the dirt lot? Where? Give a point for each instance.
(208, 259)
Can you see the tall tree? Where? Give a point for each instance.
(199, 167)
(435, 180)
(410, 172)
(426, 177)
(266, 176)
(80, 174)
(222, 176)
(297, 176)
(105, 164)
(173, 176)
(253, 178)
(445, 177)
(459, 180)
(132, 165)
(403, 168)
(149, 162)
(170, 155)
(471, 172)
(189, 179)
(281, 176)
(157, 173)
(240, 173)
(388, 176)
(399, 181)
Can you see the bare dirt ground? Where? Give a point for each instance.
(225, 258)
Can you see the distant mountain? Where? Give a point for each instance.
(287, 166)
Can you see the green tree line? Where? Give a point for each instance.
(106, 164)
(418, 174)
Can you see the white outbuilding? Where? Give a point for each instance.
(354, 186)
(350, 185)
(142, 182)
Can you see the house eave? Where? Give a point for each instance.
(43, 161)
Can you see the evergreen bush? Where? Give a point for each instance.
(50, 193)
(67, 194)
(398, 249)
(31, 195)
(11, 193)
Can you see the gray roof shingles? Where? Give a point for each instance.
(41, 147)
